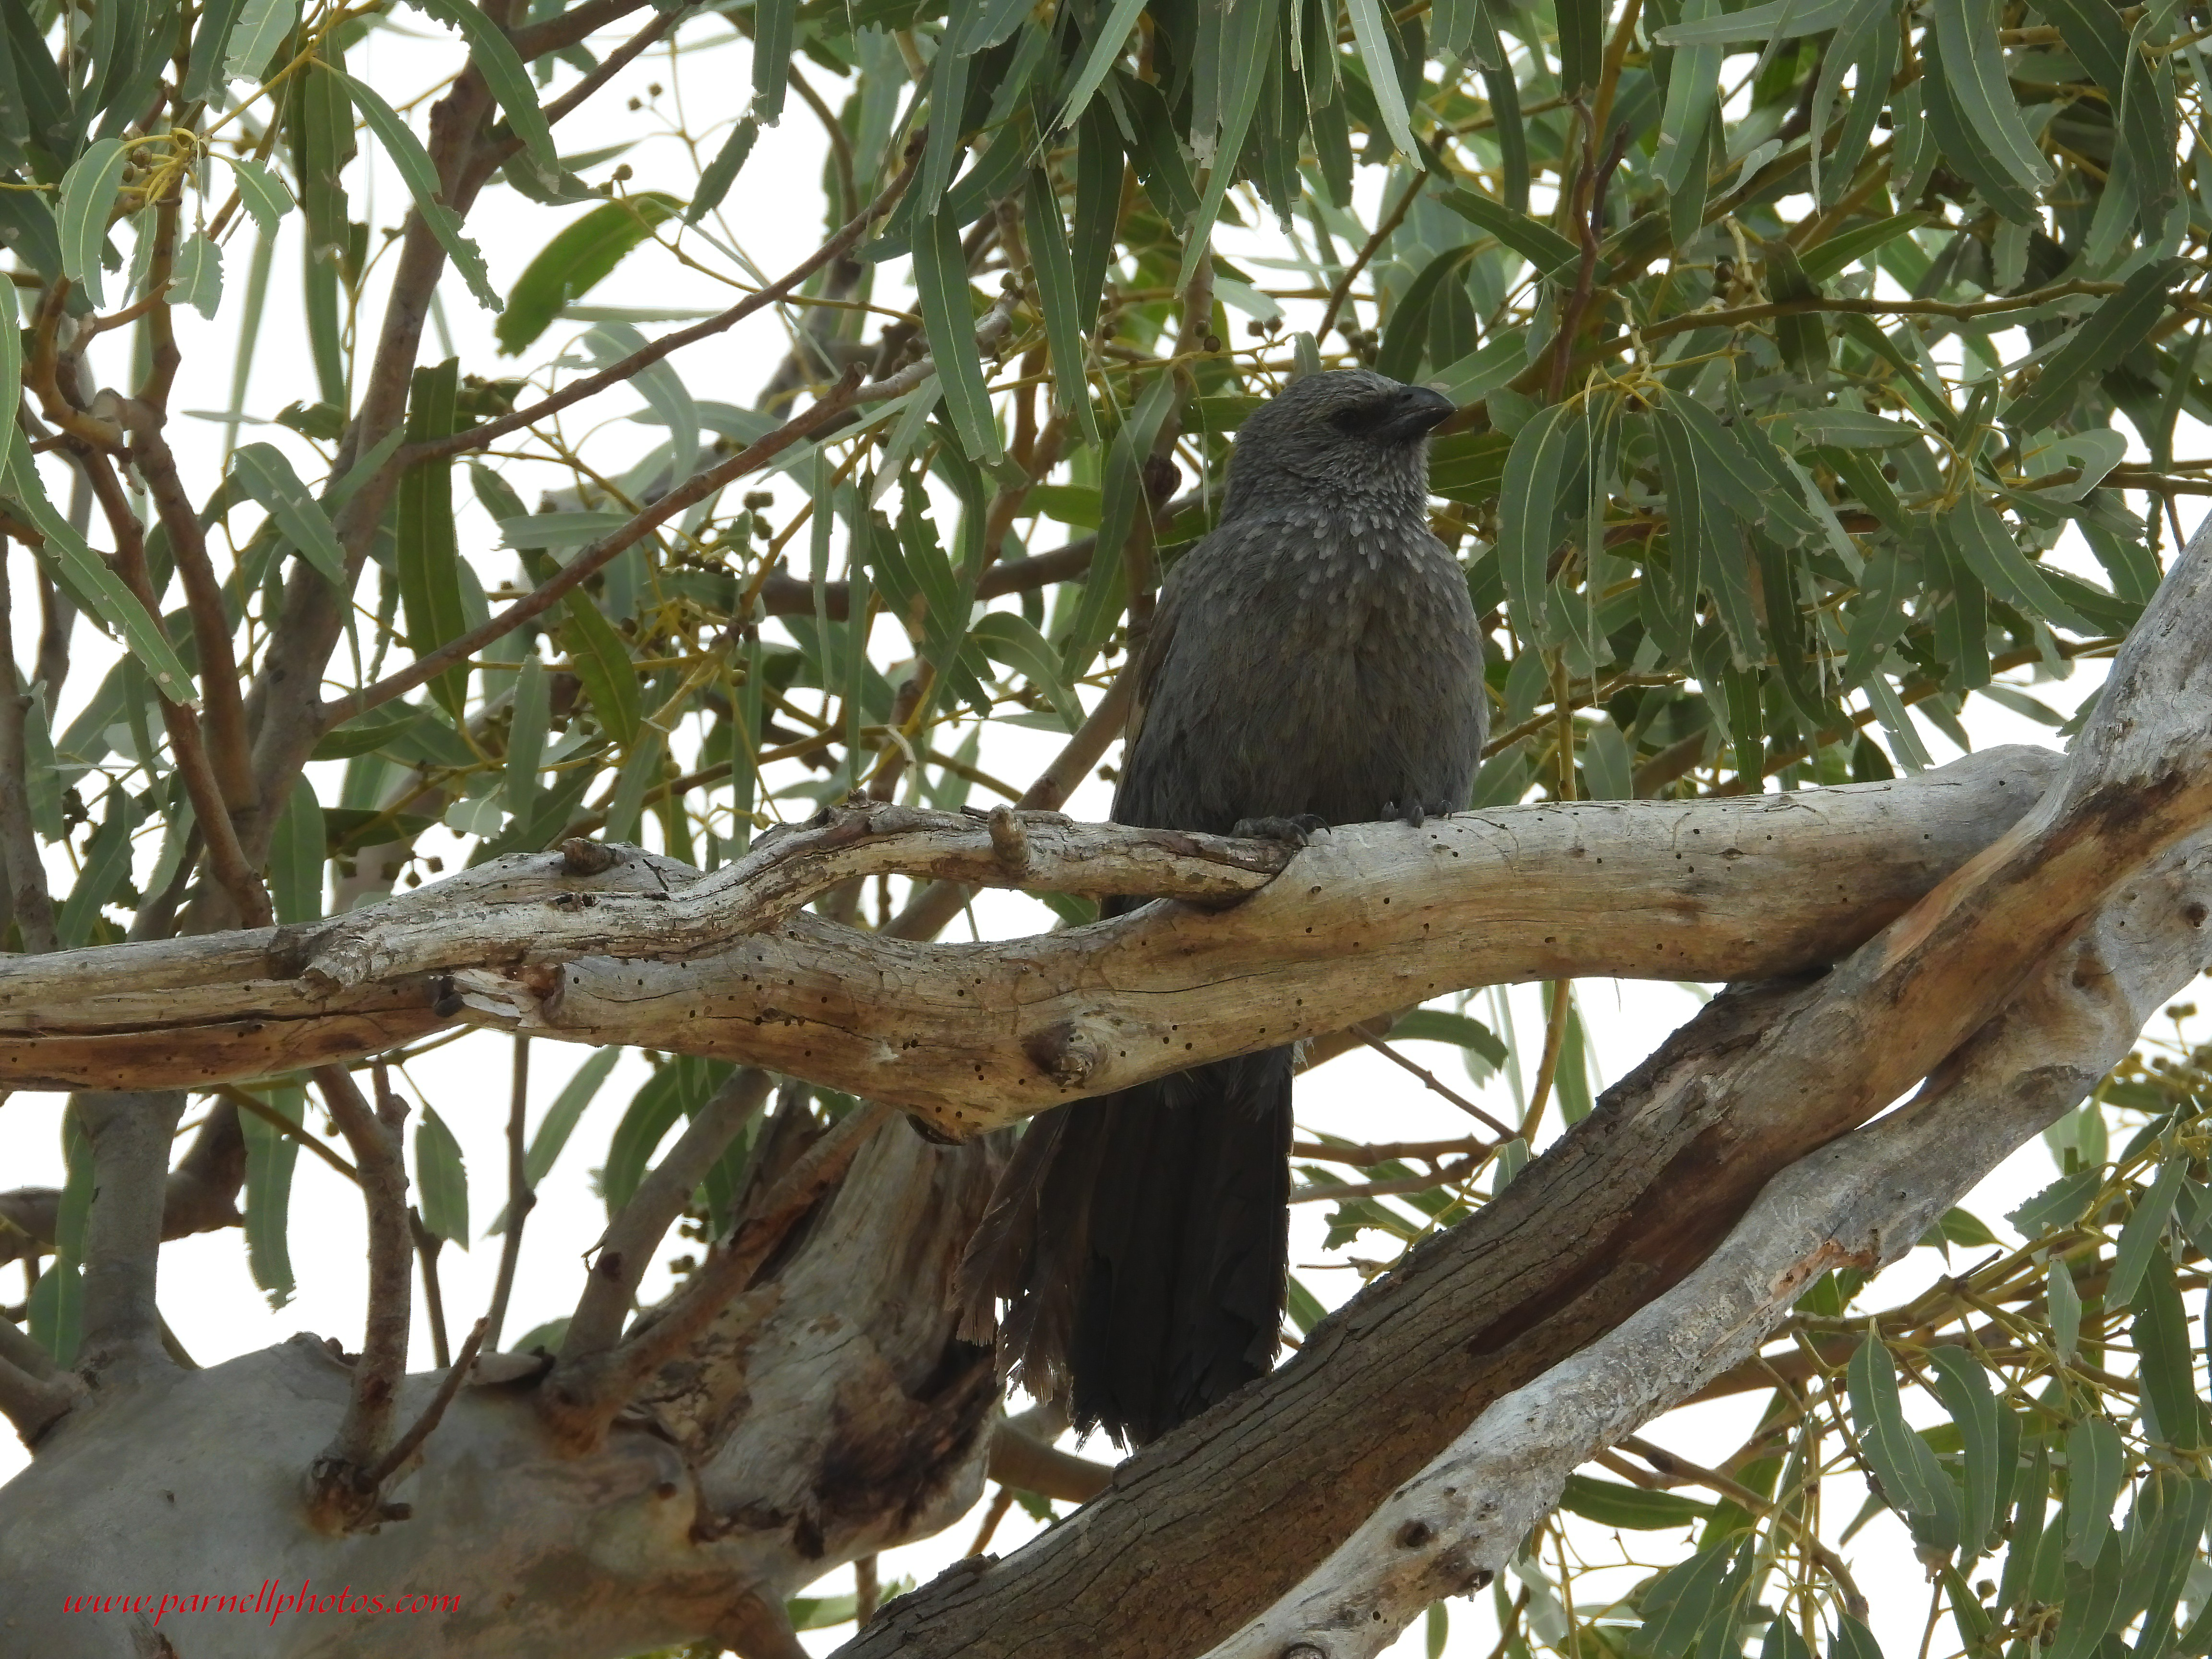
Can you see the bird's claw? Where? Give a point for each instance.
(1291, 832)
(1414, 816)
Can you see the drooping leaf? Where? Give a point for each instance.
(442, 1179)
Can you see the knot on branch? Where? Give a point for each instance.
(1070, 1053)
(1010, 842)
(588, 858)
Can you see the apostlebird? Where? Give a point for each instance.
(1314, 660)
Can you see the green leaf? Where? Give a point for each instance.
(1370, 32)
(2096, 1466)
(84, 573)
(2093, 33)
(1755, 26)
(1987, 547)
(263, 472)
(496, 60)
(562, 1116)
(525, 736)
(1631, 1509)
(106, 868)
(1103, 48)
(1852, 1640)
(2163, 1361)
(653, 1111)
(1972, 140)
(1007, 637)
(414, 167)
(1964, 1388)
(2115, 328)
(1528, 505)
(1052, 263)
(2146, 1229)
(597, 656)
(260, 29)
(1405, 335)
(1839, 253)
(263, 193)
(940, 280)
(89, 190)
(426, 549)
(198, 275)
(1461, 1030)
(1552, 253)
(774, 22)
(296, 852)
(209, 42)
(714, 182)
(270, 1155)
(442, 1179)
(1912, 1482)
(1105, 589)
(1692, 90)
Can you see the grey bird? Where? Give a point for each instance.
(1314, 660)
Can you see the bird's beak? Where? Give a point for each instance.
(1420, 411)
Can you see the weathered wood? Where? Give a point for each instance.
(1861, 1201)
(1366, 920)
(1620, 1210)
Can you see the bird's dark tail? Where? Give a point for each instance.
(1140, 1241)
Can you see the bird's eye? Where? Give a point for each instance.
(1357, 420)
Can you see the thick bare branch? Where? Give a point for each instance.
(1861, 1201)
(129, 1135)
(1368, 920)
(1625, 1207)
(32, 1403)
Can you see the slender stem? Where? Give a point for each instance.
(1429, 1078)
(374, 1136)
(427, 1246)
(594, 559)
(1388, 223)
(626, 1251)
(225, 856)
(520, 1200)
(456, 1374)
(627, 369)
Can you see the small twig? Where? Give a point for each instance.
(245, 1101)
(1001, 1501)
(520, 1200)
(1451, 1174)
(867, 1589)
(1388, 223)
(627, 368)
(595, 557)
(35, 1403)
(1429, 1078)
(1547, 1068)
(448, 1386)
(626, 1250)
(427, 1246)
(1807, 1539)
(1386, 1152)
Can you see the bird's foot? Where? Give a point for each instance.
(1291, 832)
(1413, 815)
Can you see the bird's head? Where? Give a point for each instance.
(1349, 435)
